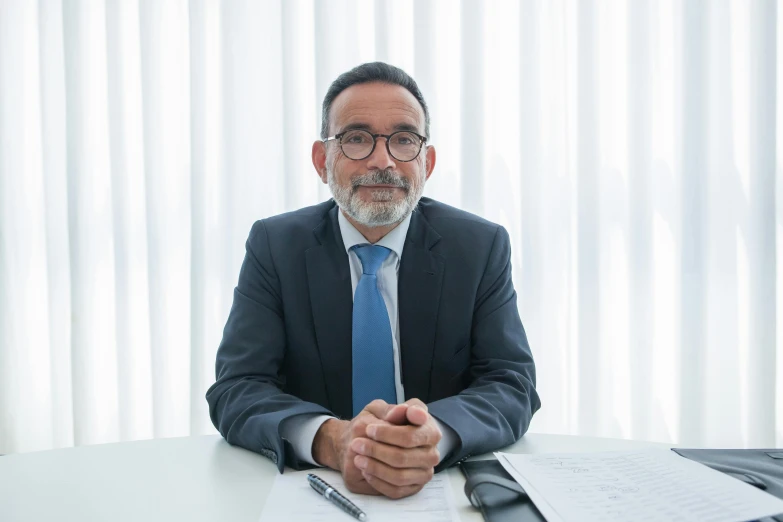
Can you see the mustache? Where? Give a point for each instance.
(380, 177)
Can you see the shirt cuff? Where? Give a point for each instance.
(300, 432)
(448, 440)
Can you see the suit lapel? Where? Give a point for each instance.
(419, 288)
(329, 281)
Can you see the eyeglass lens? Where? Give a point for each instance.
(358, 144)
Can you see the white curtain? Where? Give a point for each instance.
(631, 148)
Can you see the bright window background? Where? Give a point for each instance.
(630, 148)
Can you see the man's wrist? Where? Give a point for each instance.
(326, 444)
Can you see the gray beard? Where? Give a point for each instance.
(382, 211)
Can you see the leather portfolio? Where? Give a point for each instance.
(501, 499)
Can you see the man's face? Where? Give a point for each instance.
(378, 190)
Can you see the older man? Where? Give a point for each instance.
(376, 333)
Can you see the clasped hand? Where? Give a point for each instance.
(386, 449)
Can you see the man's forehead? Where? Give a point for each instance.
(376, 104)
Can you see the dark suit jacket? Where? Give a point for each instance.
(286, 347)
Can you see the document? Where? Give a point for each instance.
(292, 498)
(648, 485)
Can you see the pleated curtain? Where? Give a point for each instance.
(631, 148)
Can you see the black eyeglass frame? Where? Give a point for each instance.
(375, 137)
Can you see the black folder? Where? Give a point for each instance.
(501, 499)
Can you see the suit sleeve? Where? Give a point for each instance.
(496, 408)
(246, 403)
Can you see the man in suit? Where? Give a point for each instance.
(376, 333)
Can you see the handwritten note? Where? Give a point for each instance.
(292, 498)
(649, 485)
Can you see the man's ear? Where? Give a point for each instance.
(319, 159)
(429, 160)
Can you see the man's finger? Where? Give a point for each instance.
(361, 487)
(425, 457)
(394, 476)
(417, 415)
(416, 402)
(379, 408)
(389, 490)
(405, 436)
(397, 414)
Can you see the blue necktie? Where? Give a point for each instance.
(373, 353)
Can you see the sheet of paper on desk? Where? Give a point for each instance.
(292, 499)
(649, 485)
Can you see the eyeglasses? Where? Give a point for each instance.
(360, 144)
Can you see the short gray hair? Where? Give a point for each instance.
(369, 73)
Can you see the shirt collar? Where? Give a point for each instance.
(394, 240)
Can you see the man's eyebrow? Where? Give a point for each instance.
(406, 127)
(357, 126)
(365, 126)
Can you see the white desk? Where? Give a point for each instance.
(192, 478)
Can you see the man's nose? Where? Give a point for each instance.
(380, 158)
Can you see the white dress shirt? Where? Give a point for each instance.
(300, 431)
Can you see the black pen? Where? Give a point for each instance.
(333, 496)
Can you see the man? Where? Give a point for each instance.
(377, 333)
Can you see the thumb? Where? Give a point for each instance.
(417, 415)
(397, 414)
(379, 408)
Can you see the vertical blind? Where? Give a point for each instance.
(632, 150)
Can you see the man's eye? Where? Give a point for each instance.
(355, 138)
(405, 139)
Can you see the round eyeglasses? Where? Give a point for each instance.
(360, 144)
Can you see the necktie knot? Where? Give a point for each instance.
(372, 257)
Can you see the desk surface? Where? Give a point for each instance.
(191, 478)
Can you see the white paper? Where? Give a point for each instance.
(648, 485)
(294, 500)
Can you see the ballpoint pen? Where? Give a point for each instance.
(333, 496)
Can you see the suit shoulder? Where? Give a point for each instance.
(463, 236)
